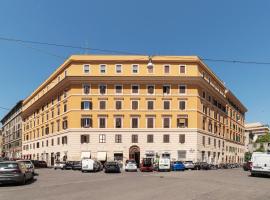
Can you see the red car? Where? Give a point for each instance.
(147, 165)
(247, 166)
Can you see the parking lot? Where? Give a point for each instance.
(214, 184)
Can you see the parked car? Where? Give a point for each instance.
(59, 165)
(178, 166)
(201, 166)
(189, 165)
(131, 165)
(14, 172)
(260, 164)
(164, 164)
(30, 166)
(247, 166)
(42, 164)
(77, 165)
(68, 165)
(112, 167)
(90, 165)
(146, 165)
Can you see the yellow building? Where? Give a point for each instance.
(121, 107)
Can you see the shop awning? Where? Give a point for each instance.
(85, 154)
(102, 156)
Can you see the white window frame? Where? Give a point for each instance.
(164, 69)
(170, 122)
(180, 69)
(137, 69)
(121, 66)
(138, 89)
(100, 68)
(121, 89)
(154, 122)
(83, 88)
(88, 69)
(99, 121)
(121, 122)
(99, 89)
(102, 137)
(154, 89)
(179, 89)
(138, 119)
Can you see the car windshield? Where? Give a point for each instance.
(8, 165)
(178, 162)
(131, 162)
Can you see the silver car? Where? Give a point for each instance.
(189, 165)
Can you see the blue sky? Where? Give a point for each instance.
(237, 30)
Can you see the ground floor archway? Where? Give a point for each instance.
(134, 153)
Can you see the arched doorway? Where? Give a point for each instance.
(134, 153)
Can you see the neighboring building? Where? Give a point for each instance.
(12, 132)
(1, 143)
(253, 131)
(121, 107)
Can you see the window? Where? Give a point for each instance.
(102, 138)
(118, 138)
(182, 138)
(182, 154)
(150, 122)
(118, 122)
(65, 124)
(203, 140)
(102, 89)
(182, 121)
(86, 122)
(58, 141)
(182, 105)
(135, 69)
(64, 140)
(84, 139)
(203, 94)
(86, 105)
(166, 89)
(150, 69)
(118, 105)
(150, 105)
(47, 130)
(58, 112)
(150, 89)
(134, 105)
(150, 138)
(182, 69)
(119, 89)
(102, 105)
(102, 122)
(58, 125)
(209, 141)
(166, 122)
(86, 69)
(166, 105)
(65, 107)
(86, 88)
(166, 138)
(182, 89)
(52, 127)
(52, 142)
(118, 69)
(102, 69)
(135, 89)
(65, 93)
(166, 69)
(134, 138)
(134, 122)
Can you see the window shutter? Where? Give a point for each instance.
(82, 124)
(82, 105)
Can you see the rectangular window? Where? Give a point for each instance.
(182, 138)
(118, 69)
(150, 105)
(86, 105)
(166, 138)
(166, 69)
(135, 89)
(47, 130)
(182, 69)
(86, 88)
(102, 122)
(86, 122)
(182, 89)
(102, 138)
(135, 105)
(135, 69)
(134, 138)
(182, 121)
(58, 141)
(166, 89)
(118, 122)
(134, 122)
(86, 69)
(182, 105)
(118, 89)
(166, 105)
(64, 140)
(102, 69)
(150, 122)
(118, 138)
(65, 124)
(150, 138)
(65, 107)
(118, 105)
(52, 142)
(150, 89)
(203, 141)
(84, 139)
(102, 105)
(166, 122)
(58, 125)
(102, 89)
(209, 141)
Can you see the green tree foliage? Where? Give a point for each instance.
(248, 156)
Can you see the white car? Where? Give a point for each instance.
(59, 165)
(130, 166)
(189, 165)
(164, 164)
(90, 165)
(260, 163)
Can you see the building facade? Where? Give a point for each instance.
(121, 107)
(1, 144)
(12, 132)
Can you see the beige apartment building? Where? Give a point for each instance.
(112, 107)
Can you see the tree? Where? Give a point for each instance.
(247, 156)
(263, 138)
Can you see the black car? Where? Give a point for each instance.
(76, 165)
(112, 167)
(202, 166)
(42, 164)
(68, 165)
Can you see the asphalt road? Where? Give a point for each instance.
(232, 184)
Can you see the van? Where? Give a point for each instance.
(89, 165)
(164, 164)
(260, 164)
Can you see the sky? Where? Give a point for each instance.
(216, 29)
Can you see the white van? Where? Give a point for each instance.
(260, 164)
(164, 164)
(89, 165)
